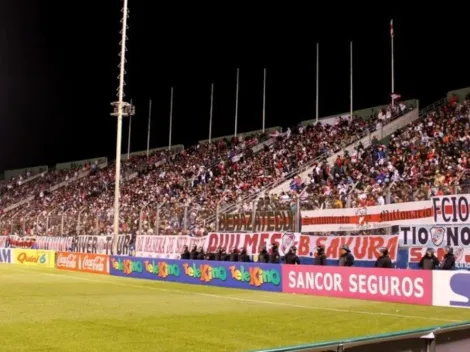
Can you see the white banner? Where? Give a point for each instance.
(169, 247)
(359, 219)
(435, 236)
(3, 241)
(362, 247)
(443, 210)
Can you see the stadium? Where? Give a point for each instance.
(340, 233)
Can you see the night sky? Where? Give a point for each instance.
(58, 69)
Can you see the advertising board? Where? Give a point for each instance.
(264, 277)
(386, 285)
(35, 257)
(451, 289)
(5, 256)
(84, 262)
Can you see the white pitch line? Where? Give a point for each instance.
(245, 299)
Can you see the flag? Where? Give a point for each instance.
(395, 96)
(391, 28)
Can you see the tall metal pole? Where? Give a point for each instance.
(351, 79)
(148, 127)
(129, 136)
(317, 86)
(236, 102)
(264, 101)
(171, 119)
(211, 111)
(119, 127)
(392, 35)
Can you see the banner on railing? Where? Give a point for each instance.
(169, 247)
(442, 210)
(462, 256)
(33, 257)
(5, 255)
(451, 289)
(359, 219)
(54, 243)
(452, 209)
(277, 220)
(362, 247)
(3, 241)
(435, 235)
(84, 262)
(387, 285)
(103, 244)
(264, 277)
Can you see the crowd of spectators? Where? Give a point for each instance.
(427, 158)
(175, 193)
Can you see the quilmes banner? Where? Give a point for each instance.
(35, 257)
(442, 210)
(462, 256)
(264, 277)
(362, 247)
(435, 235)
(387, 285)
(451, 289)
(5, 255)
(169, 247)
(103, 244)
(281, 220)
(84, 262)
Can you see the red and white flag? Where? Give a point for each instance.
(391, 29)
(395, 96)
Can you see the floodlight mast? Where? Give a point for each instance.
(121, 109)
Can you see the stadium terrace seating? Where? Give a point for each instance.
(427, 158)
(178, 193)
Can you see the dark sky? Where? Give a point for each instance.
(58, 69)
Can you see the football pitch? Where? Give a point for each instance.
(52, 310)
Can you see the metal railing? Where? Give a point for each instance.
(434, 339)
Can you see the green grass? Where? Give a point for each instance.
(52, 310)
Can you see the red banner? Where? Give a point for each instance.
(84, 262)
(362, 247)
(387, 285)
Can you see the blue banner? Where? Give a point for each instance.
(264, 277)
(5, 255)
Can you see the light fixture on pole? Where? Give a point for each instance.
(120, 109)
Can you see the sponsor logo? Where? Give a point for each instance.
(451, 288)
(67, 261)
(95, 264)
(255, 276)
(205, 272)
(460, 283)
(127, 266)
(404, 286)
(22, 258)
(161, 268)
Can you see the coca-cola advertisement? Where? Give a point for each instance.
(66, 260)
(84, 262)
